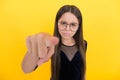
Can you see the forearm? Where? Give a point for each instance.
(29, 62)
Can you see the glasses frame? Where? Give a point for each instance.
(62, 25)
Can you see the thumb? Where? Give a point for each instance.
(40, 62)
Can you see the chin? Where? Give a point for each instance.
(66, 37)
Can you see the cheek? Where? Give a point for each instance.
(60, 32)
(73, 33)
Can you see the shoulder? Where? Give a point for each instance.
(86, 43)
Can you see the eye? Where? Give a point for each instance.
(73, 25)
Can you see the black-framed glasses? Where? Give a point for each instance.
(62, 25)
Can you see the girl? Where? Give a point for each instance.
(67, 48)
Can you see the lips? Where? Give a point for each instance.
(66, 34)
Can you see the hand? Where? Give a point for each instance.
(42, 45)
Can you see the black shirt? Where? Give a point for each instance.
(71, 70)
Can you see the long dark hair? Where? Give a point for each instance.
(78, 37)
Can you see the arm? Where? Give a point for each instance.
(85, 56)
(29, 63)
(40, 49)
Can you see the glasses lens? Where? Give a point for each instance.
(62, 25)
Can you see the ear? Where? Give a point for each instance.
(85, 42)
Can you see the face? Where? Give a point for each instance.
(68, 25)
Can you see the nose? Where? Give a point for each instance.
(67, 27)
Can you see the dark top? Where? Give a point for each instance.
(71, 63)
(71, 70)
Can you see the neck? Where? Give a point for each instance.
(68, 42)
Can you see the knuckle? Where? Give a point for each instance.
(40, 35)
(32, 40)
(28, 38)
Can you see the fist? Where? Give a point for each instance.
(42, 45)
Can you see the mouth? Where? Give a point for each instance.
(66, 34)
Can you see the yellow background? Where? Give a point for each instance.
(21, 18)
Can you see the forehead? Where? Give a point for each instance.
(68, 17)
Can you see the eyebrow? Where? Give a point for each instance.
(70, 23)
